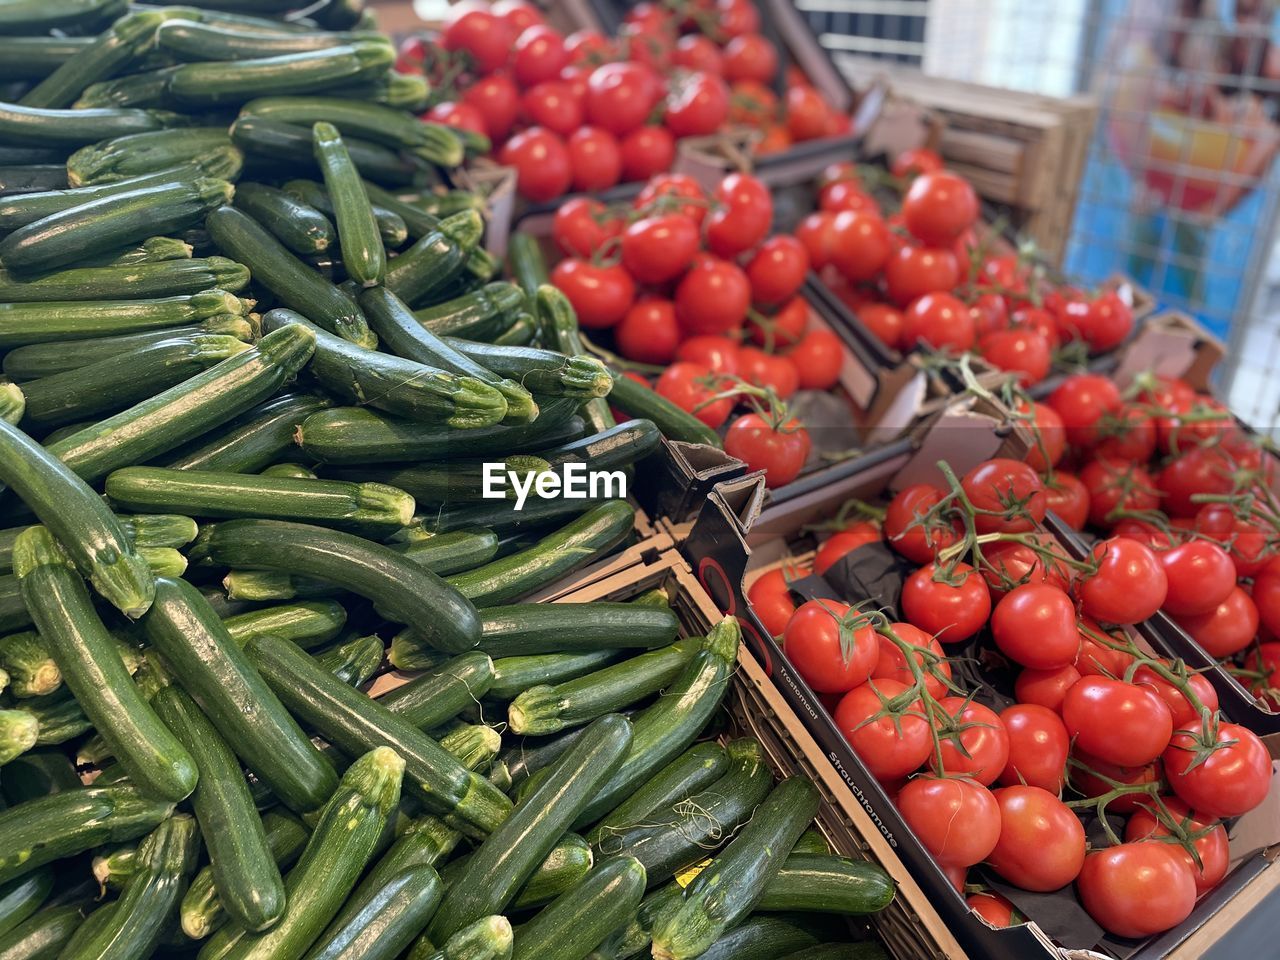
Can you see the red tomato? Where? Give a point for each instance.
(887, 749)
(755, 105)
(588, 47)
(1038, 747)
(1211, 848)
(1266, 595)
(1008, 495)
(777, 269)
(885, 322)
(844, 542)
(620, 96)
(956, 876)
(1129, 585)
(460, 116)
(595, 159)
(911, 272)
(913, 162)
(1266, 661)
(659, 248)
(538, 55)
(541, 161)
(715, 353)
(713, 297)
(1068, 497)
(697, 105)
(831, 656)
(992, 908)
(975, 744)
(905, 530)
(1035, 320)
(860, 244)
(940, 321)
(750, 57)
(485, 39)
(600, 295)
(498, 101)
(690, 386)
(1009, 564)
(648, 331)
(951, 613)
(741, 216)
(1023, 352)
(779, 451)
(989, 313)
(1096, 659)
(784, 328)
(892, 662)
(1128, 434)
(1122, 723)
(1137, 889)
(1226, 629)
(1042, 843)
(956, 820)
(1107, 324)
(1086, 783)
(770, 598)
(1232, 781)
(1080, 401)
(1200, 576)
(1116, 487)
(1048, 688)
(1035, 626)
(762, 369)
(674, 185)
(519, 14)
(847, 196)
(939, 207)
(552, 104)
(582, 225)
(817, 233)
(1245, 541)
(818, 358)
(694, 51)
(1199, 470)
(1181, 709)
(736, 17)
(646, 151)
(807, 114)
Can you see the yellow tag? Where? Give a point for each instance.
(687, 875)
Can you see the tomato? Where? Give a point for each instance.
(541, 161)
(1122, 723)
(1023, 352)
(939, 207)
(713, 297)
(1068, 497)
(905, 531)
(659, 248)
(667, 189)
(992, 908)
(846, 196)
(1199, 470)
(860, 244)
(741, 216)
(887, 749)
(885, 322)
(843, 542)
(1035, 320)
(460, 116)
(1108, 323)
(1200, 576)
(1192, 423)
(817, 232)
(1226, 629)
(1266, 661)
(770, 597)
(648, 331)
(1038, 747)
(690, 386)
(1180, 708)
(519, 14)
(694, 51)
(762, 369)
(588, 47)
(951, 613)
(715, 353)
(1035, 626)
(1048, 688)
(784, 328)
(913, 162)
(955, 820)
(940, 321)
(1128, 434)
(989, 313)
(650, 17)
(956, 876)
(831, 656)
(975, 742)
(620, 96)
(818, 358)
(1116, 487)
(600, 295)
(1266, 595)
(697, 105)
(892, 662)
(538, 55)
(1081, 400)
(646, 151)
(780, 451)
(1096, 658)
(410, 55)
(582, 225)
(806, 112)
(1211, 848)
(1137, 889)
(733, 18)
(497, 100)
(911, 272)
(485, 39)
(750, 57)
(1129, 585)
(595, 159)
(1009, 564)
(755, 105)
(552, 104)
(1008, 495)
(777, 269)
(1245, 541)
(1042, 843)
(1088, 781)
(1232, 781)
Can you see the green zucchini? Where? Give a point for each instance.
(355, 661)
(289, 147)
(13, 612)
(418, 220)
(544, 372)
(445, 203)
(308, 624)
(202, 911)
(293, 282)
(60, 718)
(696, 768)
(340, 847)
(525, 629)
(23, 896)
(303, 229)
(257, 586)
(64, 824)
(215, 83)
(390, 225)
(431, 699)
(512, 676)
(726, 890)
(557, 555)
(474, 745)
(489, 938)
(528, 267)
(567, 863)
(821, 883)
(165, 861)
(618, 446)
(291, 471)
(13, 403)
(254, 440)
(41, 16)
(398, 386)
(400, 331)
(426, 841)
(150, 250)
(199, 42)
(582, 918)
(147, 90)
(43, 936)
(665, 729)
(19, 731)
(502, 515)
(205, 401)
(558, 323)
(387, 923)
(136, 154)
(31, 668)
(369, 507)
(403, 91)
(352, 722)
(112, 221)
(212, 668)
(475, 314)
(113, 867)
(435, 258)
(174, 278)
(363, 256)
(447, 553)
(25, 323)
(408, 653)
(762, 937)
(640, 400)
(66, 129)
(457, 481)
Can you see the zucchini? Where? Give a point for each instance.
(26, 323)
(13, 403)
(726, 890)
(525, 629)
(41, 16)
(489, 938)
(403, 590)
(529, 269)
(390, 225)
(340, 847)
(418, 220)
(19, 731)
(408, 653)
(256, 586)
(501, 515)
(355, 661)
(582, 918)
(762, 937)
(386, 923)
(32, 671)
(43, 936)
(144, 281)
(68, 129)
(146, 90)
(308, 624)
(397, 129)
(567, 863)
(679, 833)
(292, 282)
(138, 154)
(23, 896)
(558, 323)
(199, 42)
(403, 91)
(640, 400)
(557, 555)
(60, 718)
(363, 256)
(292, 471)
(13, 612)
(544, 372)
(180, 413)
(212, 668)
(150, 250)
(202, 911)
(369, 507)
(665, 729)
(114, 866)
(431, 699)
(473, 315)
(64, 824)
(821, 883)
(165, 861)
(401, 333)
(215, 83)
(448, 553)
(253, 441)
(116, 382)
(435, 258)
(474, 745)
(32, 58)
(457, 481)
(289, 147)
(303, 229)
(352, 722)
(514, 675)
(112, 221)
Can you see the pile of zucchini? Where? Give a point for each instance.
(255, 358)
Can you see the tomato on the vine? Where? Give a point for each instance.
(1116, 487)
(1035, 626)
(697, 105)
(674, 191)
(939, 207)
(807, 114)
(992, 907)
(659, 248)
(889, 746)
(460, 116)
(1038, 747)
(817, 232)
(950, 612)
(1180, 707)
(1231, 781)
(620, 96)
(1123, 723)
(601, 295)
(646, 151)
(832, 656)
(906, 528)
(497, 100)
(818, 358)
(761, 369)
(541, 159)
(956, 820)
(1137, 889)
(1080, 401)
(594, 158)
(1226, 629)
(538, 55)
(648, 331)
(1048, 688)
(485, 39)
(860, 244)
(1068, 497)
(1212, 848)
(915, 161)
(781, 329)
(713, 297)
(750, 56)
(976, 745)
(741, 217)
(1042, 843)
(885, 322)
(1128, 586)
(692, 387)
(719, 354)
(777, 269)
(939, 321)
(694, 51)
(892, 662)
(770, 597)
(581, 226)
(1200, 576)
(1023, 352)
(911, 272)
(1008, 495)
(780, 451)
(553, 105)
